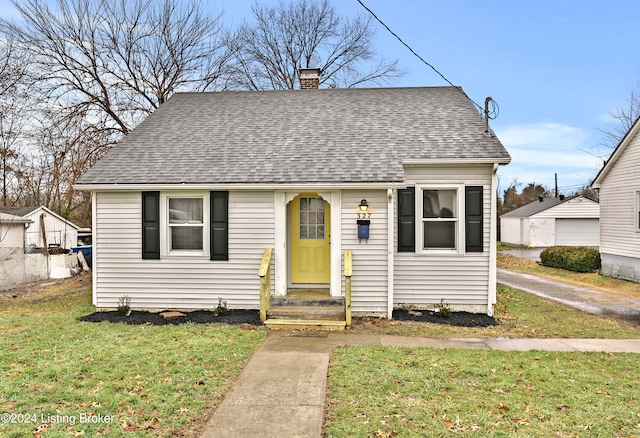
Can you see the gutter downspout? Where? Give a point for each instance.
(491, 300)
(94, 248)
(390, 253)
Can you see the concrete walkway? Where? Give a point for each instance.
(588, 300)
(281, 390)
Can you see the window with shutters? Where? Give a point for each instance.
(440, 219)
(185, 224)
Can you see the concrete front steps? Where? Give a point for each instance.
(306, 309)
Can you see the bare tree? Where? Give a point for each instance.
(64, 146)
(14, 108)
(307, 34)
(623, 119)
(118, 60)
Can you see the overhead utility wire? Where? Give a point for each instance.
(418, 56)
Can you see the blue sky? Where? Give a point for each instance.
(557, 69)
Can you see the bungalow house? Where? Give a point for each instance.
(57, 230)
(185, 205)
(618, 183)
(552, 221)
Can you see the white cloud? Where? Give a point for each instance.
(540, 150)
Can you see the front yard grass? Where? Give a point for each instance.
(62, 377)
(386, 391)
(391, 391)
(520, 315)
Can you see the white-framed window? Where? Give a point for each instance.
(637, 211)
(185, 221)
(440, 218)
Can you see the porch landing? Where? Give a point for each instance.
(307, 309)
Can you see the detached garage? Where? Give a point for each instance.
(553, 221)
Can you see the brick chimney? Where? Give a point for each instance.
(309, 78)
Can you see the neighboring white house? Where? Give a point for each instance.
(13, 231)
(552, 221)
(618, 184)
(185, 205)
(15, 266)
(58, 231)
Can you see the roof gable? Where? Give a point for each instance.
(29, 213)
(311, 136)
(616, 154)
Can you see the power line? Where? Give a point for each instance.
(417, 55)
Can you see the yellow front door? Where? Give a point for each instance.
(310, 246)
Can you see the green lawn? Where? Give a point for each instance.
(378, 391)
(520, 315)
(69, 378)
(60, 377)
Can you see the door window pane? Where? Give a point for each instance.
(312, 218)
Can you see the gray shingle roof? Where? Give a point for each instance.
(535, 207)
(17, 211)
(328, 135)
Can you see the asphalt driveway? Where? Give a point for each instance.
(588, 300)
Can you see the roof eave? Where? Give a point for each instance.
(430, 161)
(239, 186)
(615, 155)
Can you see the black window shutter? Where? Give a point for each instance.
(406, 220)
(219, 235)
(473, 218)
(150, 225)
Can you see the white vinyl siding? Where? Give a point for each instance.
(370, 259)
(462, 279)
(618, 204)
(186, 282)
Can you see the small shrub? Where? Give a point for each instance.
(221, 309)
(577, 259)
(443, 310)
(124, 305)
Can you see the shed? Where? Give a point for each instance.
(552, 221)
(58, 230)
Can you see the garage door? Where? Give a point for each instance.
(577, 232)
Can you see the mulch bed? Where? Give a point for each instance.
(252, 317)
(233, 317)
(459, 319)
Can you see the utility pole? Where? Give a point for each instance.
(556, 175)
